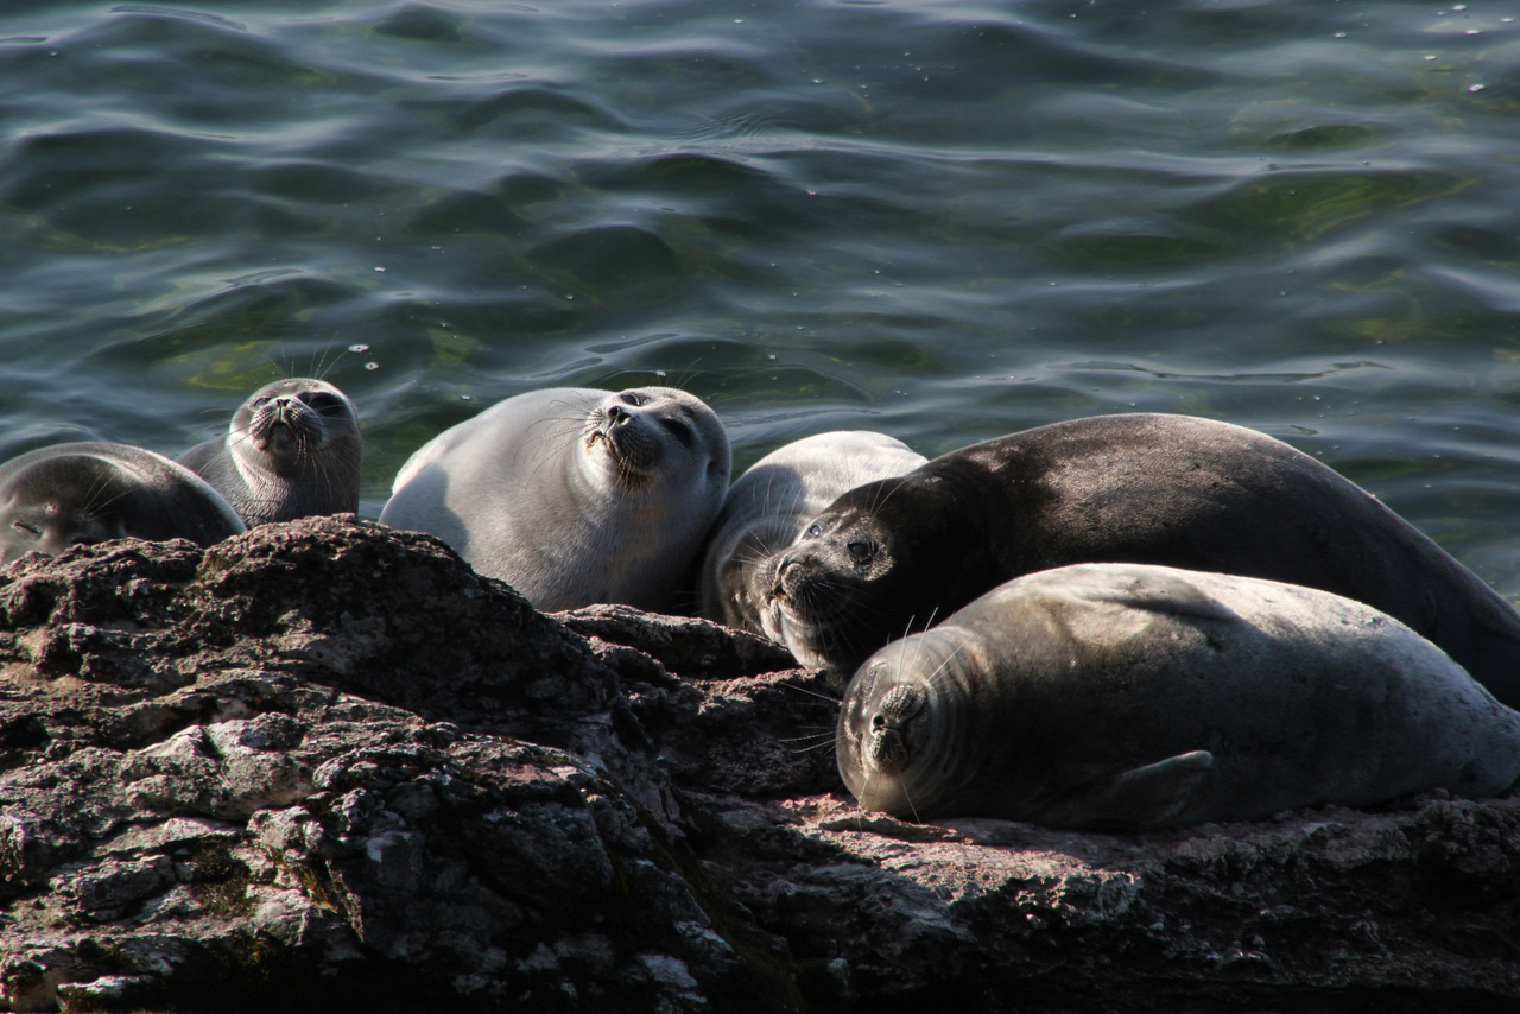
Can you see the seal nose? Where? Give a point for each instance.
(617, 415)
(788, 570)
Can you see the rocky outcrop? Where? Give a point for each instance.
(326, 766)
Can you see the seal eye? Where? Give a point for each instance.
(326, 404)
(860, 552)
(632, 398)
(260, 402)
(26, 529)
(813, 531)
(678, 429)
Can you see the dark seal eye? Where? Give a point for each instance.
(324, 402)
(860, 552)
(26, 529)
(678, 429)
(813, 531)
(632, 398)
(260, 402)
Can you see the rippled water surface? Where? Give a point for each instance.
(944, 220)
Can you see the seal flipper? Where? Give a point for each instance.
(1152, 795)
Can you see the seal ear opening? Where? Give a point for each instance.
(1152, 795)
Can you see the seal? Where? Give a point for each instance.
(1123, 696)
(573, 495)
(889, 557)
(292, 450)
(83, 493)
(771, 503)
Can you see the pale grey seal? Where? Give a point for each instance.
(573, 495)
(84, 493)
(771, 503)
(293, 449)
(889, 557)
(1126, 696)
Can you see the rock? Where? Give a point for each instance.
(323, 765)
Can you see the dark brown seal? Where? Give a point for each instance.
(892, 556)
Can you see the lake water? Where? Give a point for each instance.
(943, 220)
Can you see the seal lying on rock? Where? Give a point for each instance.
(889, 557)
(771, 503)
(292, 450)
(573, 495)
(1130, 696)
(83, 493)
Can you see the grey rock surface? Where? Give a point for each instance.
(325, 766)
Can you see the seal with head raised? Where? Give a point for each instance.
(892, 556)
(1126, 696)
(771, 503)
(573, 495)
(83, 493)
(293, 449)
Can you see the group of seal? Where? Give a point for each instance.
(1311, 648)
(1123, 621)
(293, 449)
(891, 556)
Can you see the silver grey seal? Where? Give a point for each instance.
(772, 502)
(573, 495)
(83, 493)
(1126, 696)
(293, 449)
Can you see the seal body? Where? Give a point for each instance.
(573, 495)
(1127, 696)
(292, 450)
(772, 502)
(84, 493)
(892, 556)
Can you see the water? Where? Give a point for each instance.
(944, 220)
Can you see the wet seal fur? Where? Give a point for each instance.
(573, 495)
(772, 502)
(890, 557)
(292, 450)
(1124, 696)
(83, 493)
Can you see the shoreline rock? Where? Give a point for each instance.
(324, 765)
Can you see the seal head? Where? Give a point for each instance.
(768, 507)
(293, 449)
(85, 493)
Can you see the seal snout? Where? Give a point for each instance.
(890, 749)
(283, 423)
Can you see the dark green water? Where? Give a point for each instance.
(944, 220)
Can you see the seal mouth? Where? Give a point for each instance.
(285, 426)
(635, 453)
(802, 586)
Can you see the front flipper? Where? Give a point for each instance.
(1153, 795)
